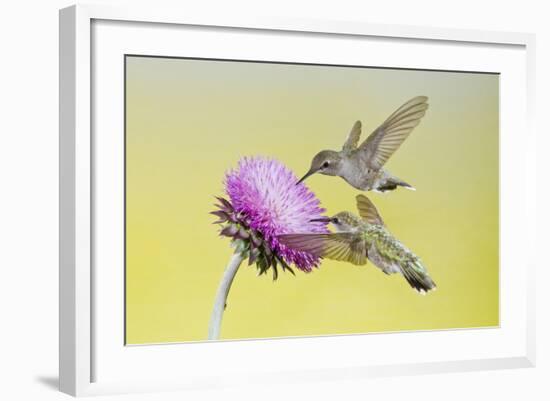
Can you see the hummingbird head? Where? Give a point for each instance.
(342, 222)
(327, 162)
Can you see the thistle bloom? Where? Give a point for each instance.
(264, 191)
(265, 202)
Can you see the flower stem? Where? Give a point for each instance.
(221, 295)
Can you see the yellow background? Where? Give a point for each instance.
(188, 121)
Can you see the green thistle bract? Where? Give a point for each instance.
(246, 240)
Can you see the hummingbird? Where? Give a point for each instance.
(361, 165)
(360, 238)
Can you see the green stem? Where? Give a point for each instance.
(221, 296)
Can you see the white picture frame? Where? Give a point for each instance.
(92, 357)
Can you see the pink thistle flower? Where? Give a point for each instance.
(266, 202)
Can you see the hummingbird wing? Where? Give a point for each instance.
(387, 138)
(348, 247)
(353, 137)
(368, 211)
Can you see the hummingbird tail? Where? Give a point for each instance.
(417, 276)
(393, 183)
(408, 186)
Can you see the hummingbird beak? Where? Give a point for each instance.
(322, 219)
(310, 172)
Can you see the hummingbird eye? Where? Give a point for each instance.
(336, 220)
(325, 164)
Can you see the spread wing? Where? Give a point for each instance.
(353, 137)
(368, 211)
(348, 247)
(387, 138)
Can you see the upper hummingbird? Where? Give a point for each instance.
(358, 238)
(361, 166)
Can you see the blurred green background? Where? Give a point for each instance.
(188, 121)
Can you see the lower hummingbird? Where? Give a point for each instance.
(361, 165)
(360, 238)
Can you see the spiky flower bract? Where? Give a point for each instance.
(265, 202)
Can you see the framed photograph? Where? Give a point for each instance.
(257, 199)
